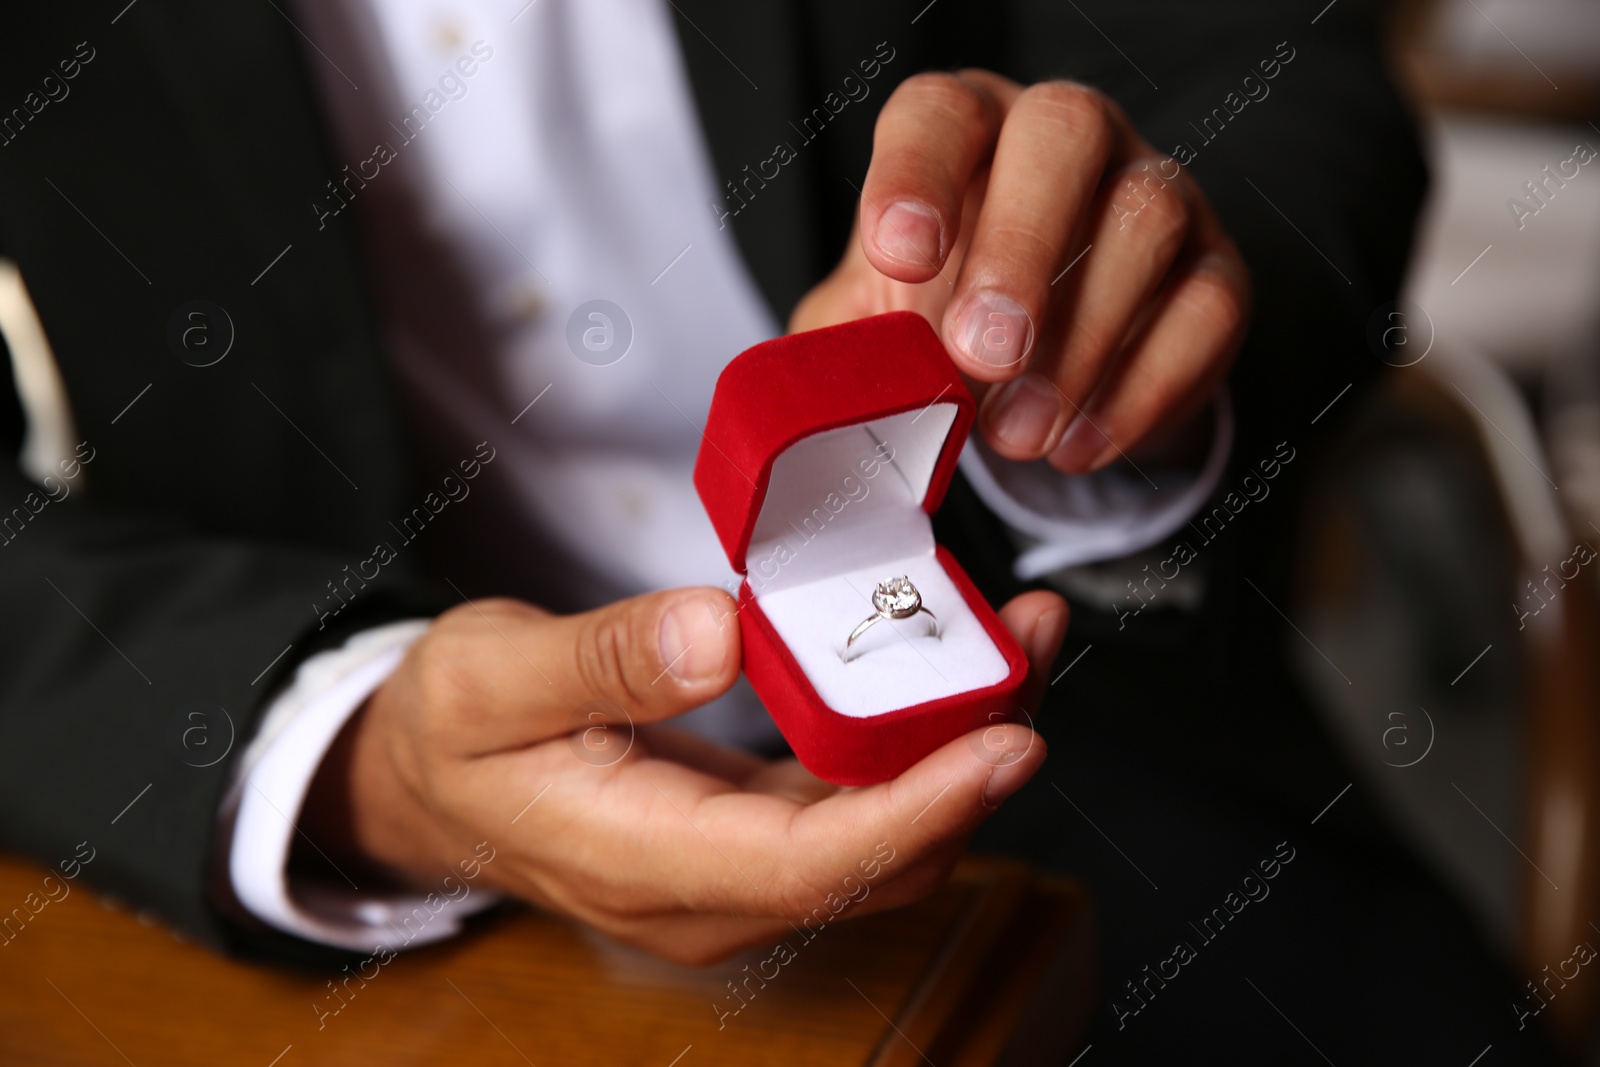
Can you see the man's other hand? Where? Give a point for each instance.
(1078, 276)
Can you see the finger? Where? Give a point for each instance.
(695, 940)
(1051, 153)
(934, 132)
(696, 845)
(1038, 620)
(514, 675)
(787, 778)
(1140, 221)
(913, 883)
(700, 939)
(688, 856)
(1172, 368)
(939, 800)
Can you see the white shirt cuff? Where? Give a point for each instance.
(1066, 520)
(269, 788)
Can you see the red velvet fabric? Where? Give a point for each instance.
(775, 394)
(772, 395)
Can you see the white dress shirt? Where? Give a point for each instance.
(568, 166)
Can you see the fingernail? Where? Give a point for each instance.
(909, 232)
(995, 331)
(1025, 412)
(1011, 771)
(1082, 442)
(693, 645)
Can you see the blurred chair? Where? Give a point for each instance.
(1537, 58)
(1438, 528)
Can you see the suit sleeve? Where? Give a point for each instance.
(135, 656)
(155, 596)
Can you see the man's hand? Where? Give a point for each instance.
(652, 835)
(1059, 253)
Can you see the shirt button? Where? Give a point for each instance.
(633, 504)
(447, 34)
(525, 303)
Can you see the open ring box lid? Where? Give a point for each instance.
(825, 454)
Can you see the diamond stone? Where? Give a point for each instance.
(897, 598)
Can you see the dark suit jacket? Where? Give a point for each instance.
(185, 157)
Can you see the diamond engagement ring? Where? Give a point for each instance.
(894, 598)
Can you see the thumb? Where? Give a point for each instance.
(654, 656)
(635, 661)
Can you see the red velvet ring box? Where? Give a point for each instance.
(825, 454)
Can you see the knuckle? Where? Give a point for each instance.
(447, 692)
(452, 670)
(793, 897)
(1076, 106)
(1169, 214)
(443, 681)
(1159, 216)
(1026, 256)
(502, 607)
(1089, 344)
(1032, 251)
(944, 93)
(1142, 405)
(1220, 304)
(603, 656)
(471, 615)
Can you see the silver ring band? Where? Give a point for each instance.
(893, 599)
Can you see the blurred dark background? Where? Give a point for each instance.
(1449, 555)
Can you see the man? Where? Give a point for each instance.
(249, 180)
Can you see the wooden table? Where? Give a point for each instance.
(995, 968)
